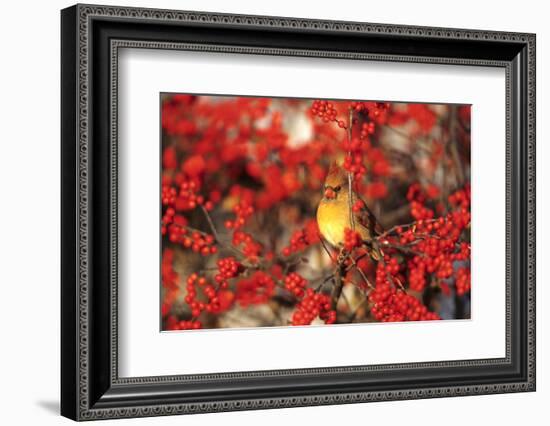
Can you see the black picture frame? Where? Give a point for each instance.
(90, 38)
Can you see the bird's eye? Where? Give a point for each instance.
(338, 188)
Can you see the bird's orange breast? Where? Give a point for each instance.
(333, 218)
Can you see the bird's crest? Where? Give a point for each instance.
(336, 175)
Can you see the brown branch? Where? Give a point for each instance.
(407, 225)
(338, 286)
(453, 144)
(325, 280)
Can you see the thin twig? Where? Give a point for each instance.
(289, 265)
(405, 249)
(210, 223)
(408, 225)
(350, 174)
(325, 280)
(217, 236)
(187, 228)
(389, 277)
(326, 249)
(356, 266)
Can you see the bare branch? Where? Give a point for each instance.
(453, 120)
(326, 249)
(210, 223)
(338, 286)
(350, 174)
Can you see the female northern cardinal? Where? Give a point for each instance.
(333, 213)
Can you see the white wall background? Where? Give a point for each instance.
(29, 211)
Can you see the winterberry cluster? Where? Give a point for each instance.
(188, 198)
(423, 115)
(256, 289)
(393, 305)
(168, 195)
(353, 161)
(358, 206)
(169, 276)
(191, 297)
(463, 283)
(461, 198)
(327, 112)
(390, 301)
(228, 268)
(242, 211)
(373, 109)
(417, 274)
(417, 197)
(360, 154)
(302, 238)
(168, 217)
(216, 299)
(295, 284)
(436, 244)
(375, 112)
(185, 196)
(352, 239)
(199, 242)
(175, 118)
(367, 129)
(250, 247)
(173, 324)
(313, 305)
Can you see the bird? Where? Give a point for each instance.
(333, 213)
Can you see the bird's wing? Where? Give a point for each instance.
(368, 219)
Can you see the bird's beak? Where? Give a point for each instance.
(329, 193)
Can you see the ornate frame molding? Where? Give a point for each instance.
(78, 24)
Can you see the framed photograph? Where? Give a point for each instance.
(263, 212)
